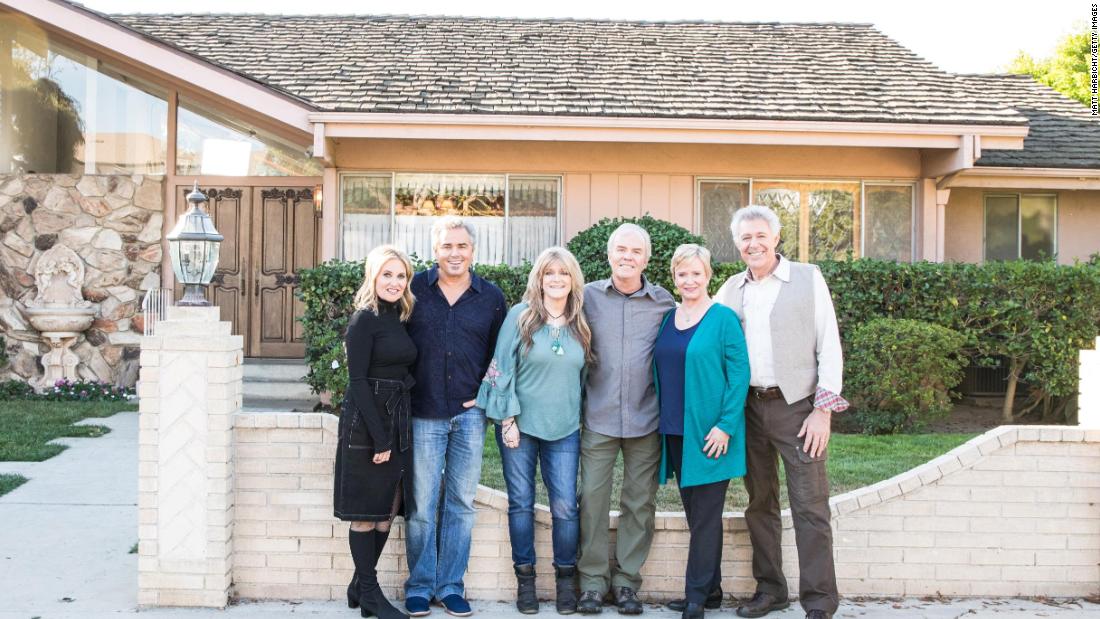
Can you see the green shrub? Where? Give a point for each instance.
(900, 373)
(15, 390)
(590, 247)
(328, 292)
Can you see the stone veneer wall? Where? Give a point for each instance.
(1014, 512)
(114, 224)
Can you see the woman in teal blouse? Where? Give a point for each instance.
(533, 391)
(701, 369)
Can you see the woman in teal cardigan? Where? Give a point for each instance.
(701, 370)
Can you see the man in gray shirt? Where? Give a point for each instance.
(620, 413)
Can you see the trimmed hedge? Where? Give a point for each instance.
(901, 373)
(590, 247)
(1033, 315)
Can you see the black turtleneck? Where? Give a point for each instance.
(377, 347)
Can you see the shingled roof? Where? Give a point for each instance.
(1062, 132)
(461, 65)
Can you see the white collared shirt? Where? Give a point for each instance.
(759, 298)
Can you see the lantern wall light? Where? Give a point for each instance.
(193, 245)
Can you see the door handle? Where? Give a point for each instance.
(256, 285)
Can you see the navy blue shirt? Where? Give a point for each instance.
(454, 343)
(670, 357)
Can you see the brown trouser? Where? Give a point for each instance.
(772, 426)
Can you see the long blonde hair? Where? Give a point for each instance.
(535, 316)
(367, 295)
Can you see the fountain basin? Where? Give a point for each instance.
(60, 320)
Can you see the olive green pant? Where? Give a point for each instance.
(641, 463)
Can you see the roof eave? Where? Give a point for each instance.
(661, 130)
(1005, 177)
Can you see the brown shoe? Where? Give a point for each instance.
(761, 604)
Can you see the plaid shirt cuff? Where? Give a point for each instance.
(829, 401)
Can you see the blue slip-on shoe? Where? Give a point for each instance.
(457, 605)
(417, 606)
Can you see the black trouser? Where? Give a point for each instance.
(771, 429)
(703, 506)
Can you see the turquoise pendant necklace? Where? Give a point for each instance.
(555, 346)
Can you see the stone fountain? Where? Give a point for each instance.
(59, 311)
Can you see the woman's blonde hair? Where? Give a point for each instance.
(687, 251)
(367, 296)
(535, 316)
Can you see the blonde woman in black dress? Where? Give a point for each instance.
(374, 457)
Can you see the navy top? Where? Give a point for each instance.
(669, 356)
(454, 343)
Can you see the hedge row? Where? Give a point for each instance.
(1033, 315)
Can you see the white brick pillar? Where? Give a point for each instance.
(190, 389)
(1088, 403)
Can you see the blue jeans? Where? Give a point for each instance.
(447, 453)
(559, 461)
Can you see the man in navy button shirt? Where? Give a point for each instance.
(454, 325)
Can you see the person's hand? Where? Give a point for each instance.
(382, 457)
(469, 404)
(717, 443)
(816, 430)
(509, 433)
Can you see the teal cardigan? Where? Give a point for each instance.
(716, 382)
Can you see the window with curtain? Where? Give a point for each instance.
(68, 112)
(718, 200)
(514, 217)
(210, 143)
(888, 222)
(1020, 226)
(820, 219)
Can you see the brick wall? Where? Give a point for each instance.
(1014, 512)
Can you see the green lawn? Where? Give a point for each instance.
(855, 460)
(27, 425)
(10, 482)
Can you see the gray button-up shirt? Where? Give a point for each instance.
(620, 399)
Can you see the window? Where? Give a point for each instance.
(819, 219)
(888, 222)
(67, 112)
(514, 217)
(214, 144)
(1020, 226)
(718, 200)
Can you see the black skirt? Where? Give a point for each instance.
(363, 490)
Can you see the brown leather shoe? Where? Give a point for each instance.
(761, 604)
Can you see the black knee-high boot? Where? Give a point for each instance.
(365, 550)
(380, 538)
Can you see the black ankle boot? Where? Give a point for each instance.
(566, 600)
(527, 601)
(365, 550)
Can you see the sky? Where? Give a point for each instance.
(961, 36)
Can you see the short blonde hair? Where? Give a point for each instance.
(367, 295)
(687, 251)
(447, 223)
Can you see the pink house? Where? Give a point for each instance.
(317, 137)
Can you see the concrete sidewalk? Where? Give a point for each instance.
(65, 539)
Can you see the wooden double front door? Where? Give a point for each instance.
(271, 233)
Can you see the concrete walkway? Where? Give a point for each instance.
(65, 539)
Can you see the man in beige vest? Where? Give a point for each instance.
(796, 367)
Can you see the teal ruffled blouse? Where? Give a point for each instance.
(538, 386)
